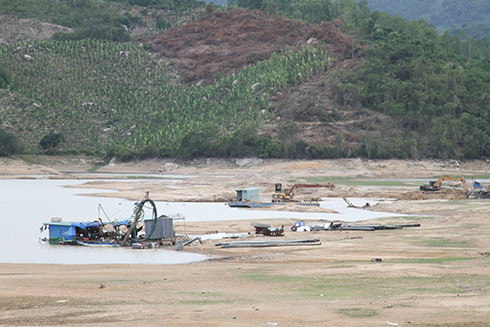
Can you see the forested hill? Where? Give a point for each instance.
(470, 17)
(295, 79)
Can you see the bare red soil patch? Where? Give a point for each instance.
(224, 42)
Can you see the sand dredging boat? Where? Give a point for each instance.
(138, 231)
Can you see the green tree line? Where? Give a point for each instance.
(471, 17)
(433, 86)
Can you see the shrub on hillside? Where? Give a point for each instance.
(50, 141)
(8, 144)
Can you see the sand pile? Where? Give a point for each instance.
(444, 193)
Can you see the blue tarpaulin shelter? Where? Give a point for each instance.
(67, 231)
(59, 232)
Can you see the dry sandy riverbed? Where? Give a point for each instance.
(434, 275)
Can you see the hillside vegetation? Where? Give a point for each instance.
(182, 79)
(470, 17)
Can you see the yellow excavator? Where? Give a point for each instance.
(287, 195)
(437, 185)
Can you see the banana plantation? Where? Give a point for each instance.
(119, 96)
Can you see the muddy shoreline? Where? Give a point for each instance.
(434, 275)
(215, 180)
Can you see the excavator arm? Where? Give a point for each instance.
(288, 195)
(290, 192)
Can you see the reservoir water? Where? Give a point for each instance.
(27, 203)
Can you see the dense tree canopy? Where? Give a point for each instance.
(469, 16)
(50, 141)
(9, 144)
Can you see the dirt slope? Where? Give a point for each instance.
(16, 30)
(224, 42)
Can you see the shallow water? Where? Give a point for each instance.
(27, 203)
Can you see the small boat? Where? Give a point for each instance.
(247, 204)
(98, 244)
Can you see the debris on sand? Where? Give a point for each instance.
(266, 229)
(337, 226)
(268, 243)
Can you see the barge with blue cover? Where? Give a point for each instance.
(137, 231)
